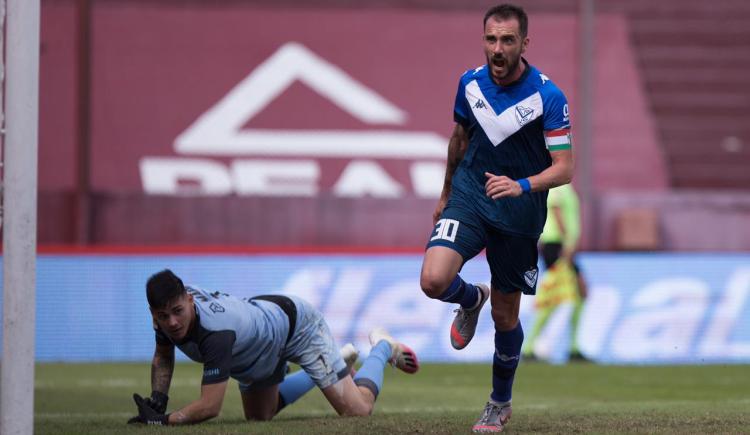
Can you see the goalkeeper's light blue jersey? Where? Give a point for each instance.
(233, 337)
(510, 133)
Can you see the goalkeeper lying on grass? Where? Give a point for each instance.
(251, 340)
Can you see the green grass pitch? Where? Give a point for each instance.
(441, 399)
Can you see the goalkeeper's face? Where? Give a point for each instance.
(176, 317)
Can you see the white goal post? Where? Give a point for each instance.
(20, 216)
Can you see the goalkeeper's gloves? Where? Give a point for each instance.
(158, 401)
(147, 414)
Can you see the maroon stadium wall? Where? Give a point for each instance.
(242, 125)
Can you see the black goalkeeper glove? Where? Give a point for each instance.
(148, 415)
(158, 401)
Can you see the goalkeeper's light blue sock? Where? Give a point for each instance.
(370, 375)
(507, 353)
(293, 387)
(461, 292)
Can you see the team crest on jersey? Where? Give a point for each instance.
(216, 308)
(524, 114)
(530, 277)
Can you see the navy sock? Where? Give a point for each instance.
(461, 292)
(504, 363)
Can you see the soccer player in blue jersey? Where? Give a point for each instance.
(510, 144)
(251, 340)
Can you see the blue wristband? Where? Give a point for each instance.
(525, 185)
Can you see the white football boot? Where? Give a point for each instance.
(402, 357)
(465, 323)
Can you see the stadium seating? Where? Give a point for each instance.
(684, 62)
(694, 56)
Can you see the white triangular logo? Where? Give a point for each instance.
(530, 277)
(219, 130)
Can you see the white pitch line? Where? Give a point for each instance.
(84, 415)
(115, 383)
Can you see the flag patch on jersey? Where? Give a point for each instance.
(557, 140)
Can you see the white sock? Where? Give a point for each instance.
(480, 295)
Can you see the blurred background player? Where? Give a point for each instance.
(563, 281)
(251, 340)
(510, 144)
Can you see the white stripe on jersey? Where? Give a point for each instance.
(502, 126)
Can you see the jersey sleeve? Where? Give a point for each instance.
(556, 120)
(556, 114)
(161, 338)
(216, 348)
(461, 106)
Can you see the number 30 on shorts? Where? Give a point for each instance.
(446, 229)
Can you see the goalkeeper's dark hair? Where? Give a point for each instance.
(507, 11)
(163, 287)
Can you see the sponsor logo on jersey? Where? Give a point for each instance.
(479, 105)
(216, 308)
(211, 372)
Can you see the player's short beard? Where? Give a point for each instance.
(511, 66)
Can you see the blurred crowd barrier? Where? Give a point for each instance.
(682, 220)
(641, 309)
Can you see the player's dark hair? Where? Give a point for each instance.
(163, 287)
(507, 11)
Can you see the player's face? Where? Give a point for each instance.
(176, 317)
(503, 46)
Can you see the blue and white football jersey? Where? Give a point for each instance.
(233, 337)
(506, 126)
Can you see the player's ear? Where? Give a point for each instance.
(524, 44)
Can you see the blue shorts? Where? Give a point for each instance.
(312, 347)
(512, 259)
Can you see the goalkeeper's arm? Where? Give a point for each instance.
(152, 409)
(208, 406)
(162, 368)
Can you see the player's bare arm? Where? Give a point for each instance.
(162, 368)
(457, 146)
(207, 407)
(559, 173)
